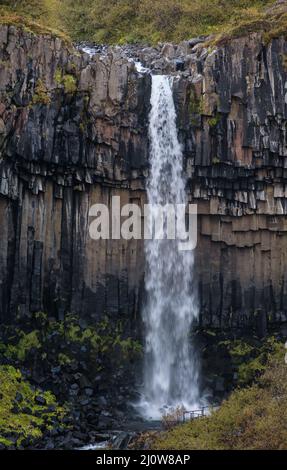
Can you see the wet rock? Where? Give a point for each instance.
(219, 385)
(168, 51)
(54, 432)
(179, 65)
(74, 386)
(27, 410)
(19, 397)
(15, 409)
(121, 441)
(85, 401)
(40, 400)
(83, 437)
(231, 120)
(50, 445)
(56, 370)
(106, 413)
(194, 41)
(102, 401)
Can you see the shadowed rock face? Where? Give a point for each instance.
(73, 132)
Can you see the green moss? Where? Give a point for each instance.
(19, 422)
(248, 371)
(26, 343)
(129, 347)
(251, 360)
(213, 121)
(58, 77)
(101, 345)
(41, 95)
(239, 348)
(196, 105)
(5, 442)
(64, 360)
(74, 334)
(70, 84)
(103, 338)
(68, 81)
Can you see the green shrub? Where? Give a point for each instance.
(253, 360)
(41, 95)
(68, 81)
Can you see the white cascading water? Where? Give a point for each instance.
(171, 367)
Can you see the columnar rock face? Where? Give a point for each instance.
(238, 148)
(73, 132)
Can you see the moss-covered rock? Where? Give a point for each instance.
(79, 362)
(50, 345)
(26, 343)
(230, 362)
(67, 81)
(22, 416)
(41, 95)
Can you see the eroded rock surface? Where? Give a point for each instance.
(74, 131)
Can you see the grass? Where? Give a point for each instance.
(145, 21)
(271, 25)
(251, 418)
(29, 25)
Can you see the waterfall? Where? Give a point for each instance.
(171, 368)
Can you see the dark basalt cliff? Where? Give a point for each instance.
(74, 132)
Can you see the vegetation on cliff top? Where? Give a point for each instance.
(146, 21)
(34, 16)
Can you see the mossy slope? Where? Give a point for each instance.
(146, 21)
(252, 418)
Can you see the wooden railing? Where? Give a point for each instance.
(195, 414)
